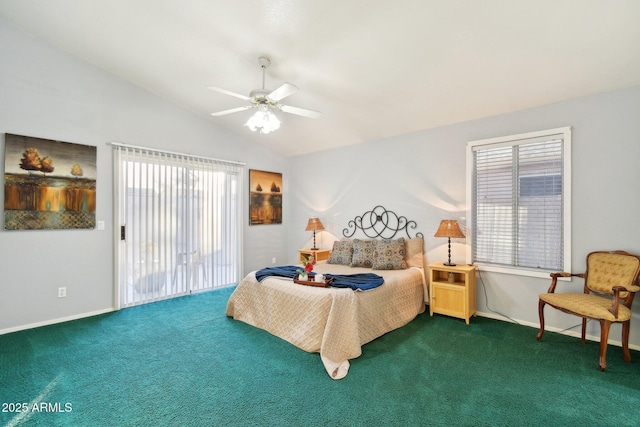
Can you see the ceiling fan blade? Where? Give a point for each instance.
(233, 110)
(228, 92)
(285, 89)
(301, 111)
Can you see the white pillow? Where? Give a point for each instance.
(414, 254)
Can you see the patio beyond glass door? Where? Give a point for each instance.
(179, 225)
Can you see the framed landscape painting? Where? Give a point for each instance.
(48, 185)
(265, 197)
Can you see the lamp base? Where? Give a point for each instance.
(450, 264)
(315, 249)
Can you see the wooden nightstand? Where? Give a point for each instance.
(321, 254)
(455, 296)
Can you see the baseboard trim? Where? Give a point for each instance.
(54, 321)
(552, 329)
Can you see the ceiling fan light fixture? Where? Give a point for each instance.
(263, 121)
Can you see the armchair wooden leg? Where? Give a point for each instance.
(584, 330)
(541, 305)
(604, 338)
(625, 340)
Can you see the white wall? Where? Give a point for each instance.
(47, 93)
(422, 176)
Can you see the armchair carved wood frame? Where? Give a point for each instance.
(613, 274)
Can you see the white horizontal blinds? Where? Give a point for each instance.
(517, 199)
(174, 209)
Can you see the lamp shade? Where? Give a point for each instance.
(449, 228)
(314, 224)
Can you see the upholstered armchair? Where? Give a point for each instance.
(610, 283)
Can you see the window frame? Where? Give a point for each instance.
(512, 140)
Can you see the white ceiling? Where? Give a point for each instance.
(373, 68)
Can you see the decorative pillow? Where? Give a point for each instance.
(414, 255)
(362, 253)
(389, 255)
(341, 253)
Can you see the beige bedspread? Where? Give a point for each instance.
(334, 322)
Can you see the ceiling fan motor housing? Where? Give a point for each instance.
(259, 96)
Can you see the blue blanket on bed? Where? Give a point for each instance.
(360, 281)
(283, 271)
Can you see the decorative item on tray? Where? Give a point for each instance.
(321, 281)
(307, 265)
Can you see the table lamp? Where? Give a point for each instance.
(314, 225)
(449, 228)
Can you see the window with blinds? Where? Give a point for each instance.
(519, 199)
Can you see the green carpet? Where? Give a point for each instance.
(182, 362)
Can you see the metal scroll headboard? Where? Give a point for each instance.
(380, 222)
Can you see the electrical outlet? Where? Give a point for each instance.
(62, 292)
(273, 260)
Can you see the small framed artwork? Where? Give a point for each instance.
(265, 197)
(48, 184)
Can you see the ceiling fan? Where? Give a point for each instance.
(265, 100)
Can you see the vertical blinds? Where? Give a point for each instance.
(181, 223)
(517, 197)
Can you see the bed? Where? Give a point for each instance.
(337, 322)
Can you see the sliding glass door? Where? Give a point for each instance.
(180, 224)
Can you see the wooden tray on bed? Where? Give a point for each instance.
(324, 284)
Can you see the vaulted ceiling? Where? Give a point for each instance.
(373, 68)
